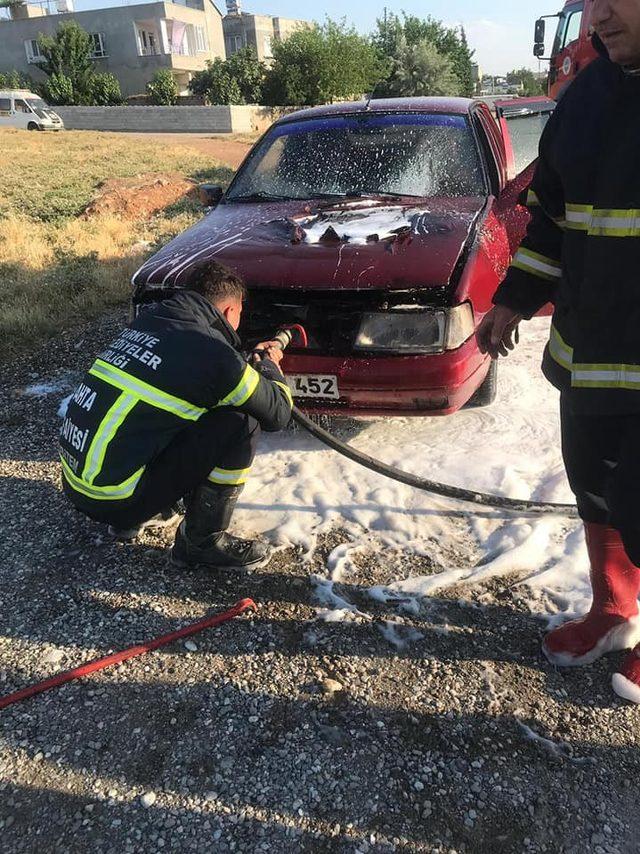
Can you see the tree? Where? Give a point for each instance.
(323, 63)
(394, 32)
(238, 80)
(105, 90)
(526, 81)
(68, 54)
(12, 6)
(163, 89)
(248, 72)
(421, 70)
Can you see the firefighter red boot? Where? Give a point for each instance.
(626, 683)
(612, 623)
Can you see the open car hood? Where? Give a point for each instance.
(352, 245)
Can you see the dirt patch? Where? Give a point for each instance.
(139, 197)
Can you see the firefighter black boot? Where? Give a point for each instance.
(202, 538)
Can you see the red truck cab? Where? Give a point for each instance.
(572, 48)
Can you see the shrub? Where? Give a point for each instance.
(216, 85)
(16, 80)
(105, 90)
(163, 89)
(58, 90)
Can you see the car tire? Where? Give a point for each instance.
(486, 393)
(33, 126)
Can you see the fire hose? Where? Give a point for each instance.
(283, 338)
(125, 654)
(288, 334)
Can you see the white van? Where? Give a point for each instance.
(20, 108)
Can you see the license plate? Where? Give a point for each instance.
(320, 386)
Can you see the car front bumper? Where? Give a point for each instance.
(394, 385)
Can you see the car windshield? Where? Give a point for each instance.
(413, 154)
(38, 106)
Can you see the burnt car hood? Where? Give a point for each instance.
(360, 244)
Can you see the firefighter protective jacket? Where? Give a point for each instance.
(582, 248)
(177, 361)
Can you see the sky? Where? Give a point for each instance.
(500, 31)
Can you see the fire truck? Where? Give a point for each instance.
(572, 48)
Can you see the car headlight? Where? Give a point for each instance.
(411, 331)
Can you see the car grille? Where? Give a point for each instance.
(331, 318)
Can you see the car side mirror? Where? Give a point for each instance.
(538, 50)
(210, 195)
(541, 29)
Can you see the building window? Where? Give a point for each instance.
(147, 43)
(202, 45)
(99, 45)
(32, 48)
(235, 43)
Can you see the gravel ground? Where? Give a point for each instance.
(277, 732)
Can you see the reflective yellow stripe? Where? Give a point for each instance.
(106, 431)
(533, 201)
(593, 375)
(606, 376)
(145, 392)
(243, 391)
(537, 264)
(559, 350)
(102, 493)
(229, 477)
(603, 222)
(285, 388)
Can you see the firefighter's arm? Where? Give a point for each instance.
(536, 269)
(260, 391)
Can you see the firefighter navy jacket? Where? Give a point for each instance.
(582, 248)
(177, 361)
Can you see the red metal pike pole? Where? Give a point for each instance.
(126, 654)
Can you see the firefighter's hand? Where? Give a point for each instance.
(271, 350)
(498, 332)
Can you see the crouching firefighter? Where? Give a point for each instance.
(172, 410)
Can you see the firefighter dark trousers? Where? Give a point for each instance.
(218, 448)
(602, 459)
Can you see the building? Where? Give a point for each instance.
(242, 29)
(131, 42)
(476, 72)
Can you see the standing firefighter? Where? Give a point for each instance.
(171, 410)
(582, 252)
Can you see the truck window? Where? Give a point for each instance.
(21, 106)
(5, 106)
(572, 32)
(525, 132)
(568, 27)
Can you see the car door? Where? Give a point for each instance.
(23, 114)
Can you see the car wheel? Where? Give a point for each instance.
(32, 126)
(486, 393)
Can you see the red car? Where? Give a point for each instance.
(384, 228)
